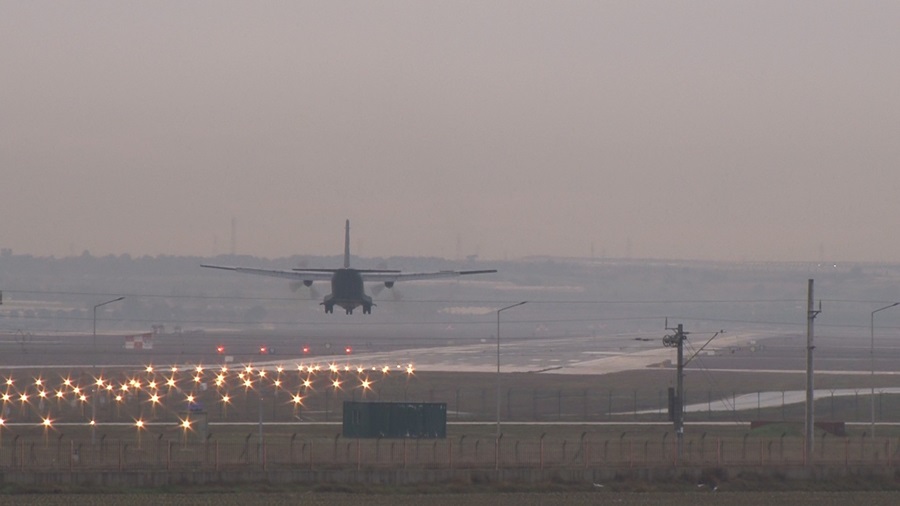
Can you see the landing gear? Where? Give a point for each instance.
(329, 308)
(349, 311)
(367, 309)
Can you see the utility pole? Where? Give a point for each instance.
(677, 404)
(809, 427)
(872, 362)
(676, 398)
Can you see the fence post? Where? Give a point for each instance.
(497, 451)
(584, 450)
(291, 456)
(890, 456)
(541, 450)
(847, 452)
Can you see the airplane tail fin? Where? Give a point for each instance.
(347, 245)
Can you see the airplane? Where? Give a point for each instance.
(347, 289)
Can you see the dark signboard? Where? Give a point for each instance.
(418, 420)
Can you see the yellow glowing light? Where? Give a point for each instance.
(152, 385)
(262, 373)
(336, 384)
(317, 368)
(277, 383)
(199, 369)
(279, 369)
(93, 422)
(409, 369)
(346, 368)
(23, 397)
(154, 399)
(76, 390)
(67, 382)
(42, 394)
(385, 369)
(170, 382)
(6, 397)
(248, 369)
(190, 398)
(139, 424)
(174, 368)
(149, 368)
(60, 394)
(109, 387)
(83, 398)
(360, 369)
(2, 422)
(9, 381)
(124, 387)
(226, 399)
(241, 375)
(38, 382)
(248, 383)
(224, 368)
(185, 424)
(307, 383)
(135, 383)
(297, 399)
(198, 378)
(219, 380)
(100, 382)
(366, 384)
(332, 367)
(118, 398)
(47, 422)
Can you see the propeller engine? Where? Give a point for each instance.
(313, 293)
(390, 286)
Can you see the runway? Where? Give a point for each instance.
(769, 352)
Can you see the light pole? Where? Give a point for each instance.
(93, 368)
(498, 360)
(872, 359)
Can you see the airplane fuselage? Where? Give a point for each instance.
(348, 292)
(347, 289)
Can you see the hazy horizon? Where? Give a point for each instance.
(760, 131)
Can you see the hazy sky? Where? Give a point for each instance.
(669, 129)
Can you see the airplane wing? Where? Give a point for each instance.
(390, 277)
(306, 275)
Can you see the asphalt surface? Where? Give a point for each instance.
(470, 350)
